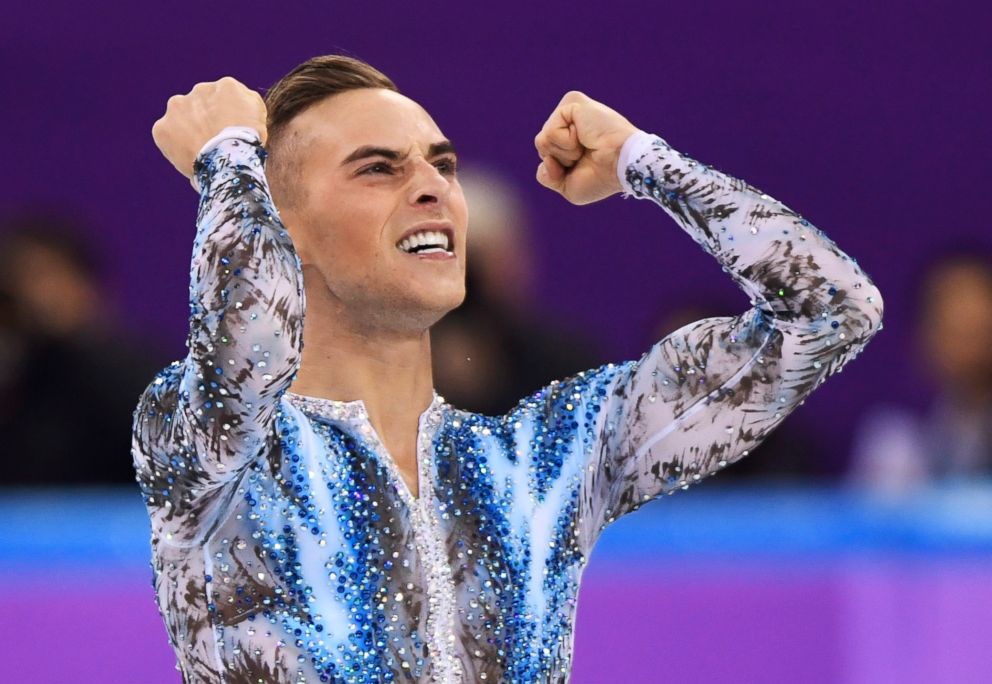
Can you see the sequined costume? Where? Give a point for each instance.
(288, 548)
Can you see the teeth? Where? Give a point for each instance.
(431, 240)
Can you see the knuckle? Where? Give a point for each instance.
(573, 98)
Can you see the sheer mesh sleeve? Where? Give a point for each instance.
(708, 393)
(202, 420)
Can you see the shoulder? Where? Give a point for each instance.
(584, 390)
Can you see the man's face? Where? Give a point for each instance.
(376, 171)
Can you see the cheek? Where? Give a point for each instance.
(459, 208)
(346, 234)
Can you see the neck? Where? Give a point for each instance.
(345, 359)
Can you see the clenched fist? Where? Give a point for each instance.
(580, 146)
(191, 120)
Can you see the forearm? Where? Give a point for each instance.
(791, 271)
(246, 304)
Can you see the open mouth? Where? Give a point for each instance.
(427, 242)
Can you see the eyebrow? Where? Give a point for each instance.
(443, 147)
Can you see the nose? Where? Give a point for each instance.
(429, 185)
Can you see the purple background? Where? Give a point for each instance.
(867, 120)
(871, 121)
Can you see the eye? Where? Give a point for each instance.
(447, 165)
(377, 168)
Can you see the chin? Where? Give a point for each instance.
(441, 306)
(443, 295)
(419, 314)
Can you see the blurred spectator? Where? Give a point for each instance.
(897, 448)
(69, 378)
(496, 349)
(789, 454)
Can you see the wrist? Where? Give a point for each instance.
(240, 132)
(631, 148)
(246, 133)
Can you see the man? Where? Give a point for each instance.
(359, 529)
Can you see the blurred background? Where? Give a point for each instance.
(854, 546)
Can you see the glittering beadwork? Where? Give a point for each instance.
(288, 548)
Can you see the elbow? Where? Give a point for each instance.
(872, 308)
(878, 310)
(864, 312)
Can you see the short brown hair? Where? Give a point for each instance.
(309, 83)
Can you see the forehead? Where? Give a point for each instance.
(370, 116)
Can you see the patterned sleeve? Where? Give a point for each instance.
(708, 393)
(205, 418)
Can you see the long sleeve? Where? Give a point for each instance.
(708, 393)
(202, 420)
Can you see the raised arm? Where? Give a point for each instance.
(708, 393)
(203, 419)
